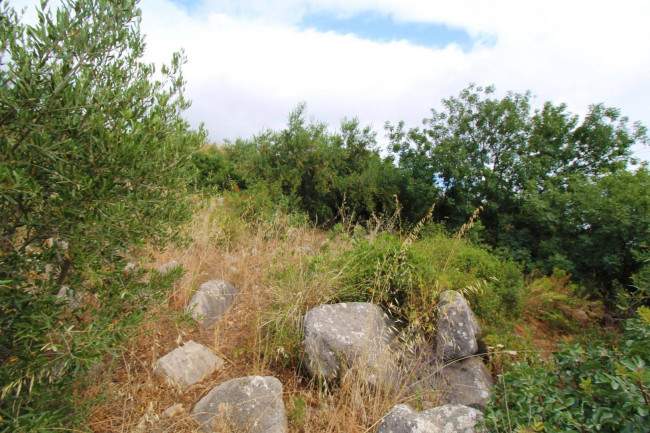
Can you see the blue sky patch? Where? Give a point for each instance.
(383, 28)
(190, 5)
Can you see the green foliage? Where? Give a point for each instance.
(591, 388)
(554, 299)
(554, 190)
(95, 156)
(407, 276)
(215, 170)
(319, 172)
(493, 285)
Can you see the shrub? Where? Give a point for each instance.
(215, 170)
(407, 276)
(318, 172)
(590, 388)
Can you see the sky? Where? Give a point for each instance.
(250, 62)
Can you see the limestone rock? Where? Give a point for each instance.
(187, 365)
(130, 269)
(403, 419)
(211, 301)
(247, 404)
(341, 336)
(457, 327)
(173, 411)
(167, 267)
(455, 418)
(467, 382)
(72, 297)
(443, 419)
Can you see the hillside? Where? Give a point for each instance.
(283, 267)
(495, 244)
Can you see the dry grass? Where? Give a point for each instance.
(268, 261)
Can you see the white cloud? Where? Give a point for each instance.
(250, 62)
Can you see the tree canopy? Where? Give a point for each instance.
(548, 182)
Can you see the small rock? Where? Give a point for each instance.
(162, 270)
(71, 297)
(467, 382)
(457, 328)
(254, 252)
(131, 268)
(187, 365)
(251, 404)
(450, 418)
(580, 316)
(211, 301)
(173, 411)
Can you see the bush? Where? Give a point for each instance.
(590, 388)
(318, 172)
(407, 276)
(215, 170)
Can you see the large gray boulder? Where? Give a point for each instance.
(457, 327)
(347, 335)
(443, 419)
(184, 366)
(250, 404)
(467, 382)
(211, 301)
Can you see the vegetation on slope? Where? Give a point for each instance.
(97, 162)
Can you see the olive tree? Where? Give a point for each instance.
(93, 161)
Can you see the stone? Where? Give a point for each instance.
(455, 418)
(211, 301)
(403, 419)
(173, 411)
(247, 404)
(580, 316)
(467, 382)
(187, 365)
(162, 270)
(131, 268)
(457, 328)
(346, 335)
(72, 297)
(444, 419)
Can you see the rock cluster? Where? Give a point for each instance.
(463, 376)
(337, 338)
(360, 335)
